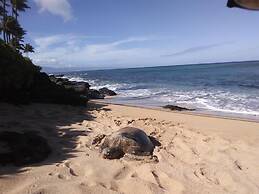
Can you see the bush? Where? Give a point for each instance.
(22, 82)
(16, 75)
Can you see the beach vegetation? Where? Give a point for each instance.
(11, 30)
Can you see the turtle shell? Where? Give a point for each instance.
(128, 140)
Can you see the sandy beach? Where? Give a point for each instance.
(198, 154)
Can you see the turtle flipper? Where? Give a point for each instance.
(232, 3)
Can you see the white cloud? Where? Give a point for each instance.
(45, 42)
(56, 7)
(71, 50)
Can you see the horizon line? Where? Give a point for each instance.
(76, 69)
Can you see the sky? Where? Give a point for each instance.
(99, 34)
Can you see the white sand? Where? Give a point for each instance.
(198, 154)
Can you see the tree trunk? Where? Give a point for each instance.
(4, 20)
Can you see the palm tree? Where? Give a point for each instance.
(9, 24)
(1, 9)
(1, 21)
(16, 44)
(14, 32)
(12, 27)
(18, 32)
(19, 5)
(28, 49)
(3, 14)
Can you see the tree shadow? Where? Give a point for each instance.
(60, 125)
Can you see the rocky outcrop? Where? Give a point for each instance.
(46, 91)
(95, 94)
(82, 88)
(79, 87)
(22, 82)
(177, 108)
(107, 92)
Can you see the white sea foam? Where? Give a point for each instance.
(218, 101)
(141, 93)
(202, 99)
(97, 84)
(79, 79)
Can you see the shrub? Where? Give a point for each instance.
(22, 82)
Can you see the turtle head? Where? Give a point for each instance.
(112, 153)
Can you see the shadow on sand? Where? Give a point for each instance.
(55, 123)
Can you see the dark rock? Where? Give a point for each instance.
(177, 108)
(59, 81)
(23, 148)
(46, 91)
(53, 78)
(83, 88)
(107, 92)
(94, 94)
(79, 87)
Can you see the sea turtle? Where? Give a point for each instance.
(246, 4)
(128, 140)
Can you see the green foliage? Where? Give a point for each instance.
(19, 5)
(1, 10)
(16, 73)
(28, 49)
(13, 33)
(22, 82)
(12, 26)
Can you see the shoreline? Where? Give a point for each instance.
(232, 129)
(197, 154)
(193, 113)
(206, 89)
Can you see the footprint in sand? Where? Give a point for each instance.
(70, 170)
(157, 179)
(122, 173)
(64, 171)
(134, 175)
(113, 186)
(206, 174)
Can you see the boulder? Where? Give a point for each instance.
(107, 92)
(81, 87)
(177, 108)
(46, 91)
(95, 94)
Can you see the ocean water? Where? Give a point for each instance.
(226, 88)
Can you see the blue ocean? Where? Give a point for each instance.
(223, 88)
